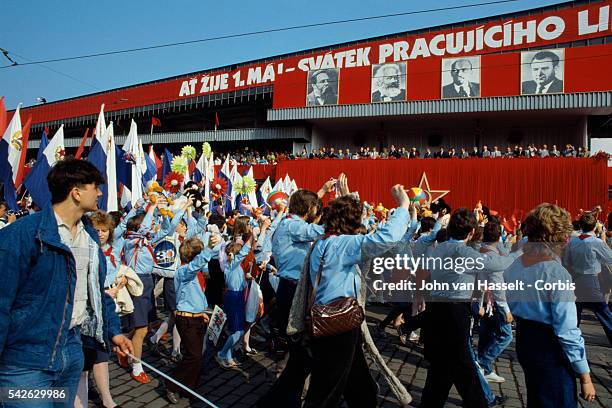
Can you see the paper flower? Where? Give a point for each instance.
(249, 184)
(218, 187)
(173, 181)
(206, 150)
(179, 164)
(188, 152)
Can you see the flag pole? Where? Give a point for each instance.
(151, 133)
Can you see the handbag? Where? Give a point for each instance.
(340, 316)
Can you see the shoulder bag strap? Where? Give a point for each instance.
(319, 273)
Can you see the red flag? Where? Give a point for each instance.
(2, 116)
(81, 148)
(216, 120)
(25, 135)
(157, 161)
(191, 167)
(155, 121)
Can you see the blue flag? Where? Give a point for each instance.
(97, 157)
(124, 167)
(6, 177)
(166, 164)
(44, 141)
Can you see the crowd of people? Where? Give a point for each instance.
(79, 282)
(251, 157)
(394, 152)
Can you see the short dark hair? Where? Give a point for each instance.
(133, 223)
(116, 215)
(542, 55)
(588, 221)
(343, 216)
(3, 204)
(217, 219)
(70, 173)
(492, 230)
(462, 222)
(442, 235)
(302, 201)
(427, 224)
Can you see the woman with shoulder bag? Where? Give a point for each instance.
(340, 368)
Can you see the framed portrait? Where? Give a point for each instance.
(542, 72)
(460, 77)
(322, 87)
(388, 82)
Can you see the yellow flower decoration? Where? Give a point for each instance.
(179, 164)
(206, 150)
(189, 152)
(248, 185)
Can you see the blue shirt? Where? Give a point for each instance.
(496, 276)
(585, 256)
(553, 307)
(189, 295)
(234, 274)
(113, 260)
(343, 252)
(263, 250)
(291, 243)
(138, 254)
(195, 226)
(424, 243)
(457, 274)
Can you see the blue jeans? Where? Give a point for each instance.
(70, 358)
(483, 383)
(590, 296)
(493, 338)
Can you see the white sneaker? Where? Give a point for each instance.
(494, 378)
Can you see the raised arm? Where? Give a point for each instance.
(198, 263)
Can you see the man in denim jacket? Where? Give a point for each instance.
(52, 295)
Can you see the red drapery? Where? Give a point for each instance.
(260, 171)
(504, 185)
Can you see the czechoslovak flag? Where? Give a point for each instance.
(13, 138)
(36, 181)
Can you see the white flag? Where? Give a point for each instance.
(55, 149)
(111, 169)
(13, 137)
(101, 127)
(266, 188)
(252, 194)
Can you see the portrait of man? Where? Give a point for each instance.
(389, 82)
(542, 72)
(322, 87)
(461, 77)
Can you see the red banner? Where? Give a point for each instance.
(421, 51)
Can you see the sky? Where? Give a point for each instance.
(39, 30)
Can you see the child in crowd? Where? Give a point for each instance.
(191, 320)
(233, 302)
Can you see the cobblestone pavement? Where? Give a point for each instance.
(229, 388)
